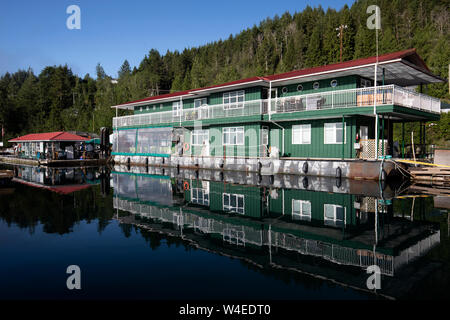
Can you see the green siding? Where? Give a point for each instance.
(252, 198)
(317, 148)
(318, 200)
(253, 93)
(349, 82)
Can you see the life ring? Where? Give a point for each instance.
(186, 147)
(186, 185)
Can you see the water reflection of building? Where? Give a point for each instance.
(61, 180)
(286, 227)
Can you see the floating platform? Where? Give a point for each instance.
(434, 176)
(6, 177)
(346, 168)
(54, 163)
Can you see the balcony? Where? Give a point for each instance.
(362, 97)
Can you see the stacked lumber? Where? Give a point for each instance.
(439, 176)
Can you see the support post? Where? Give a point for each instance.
(424, 138)
(377, 142)
(382, 136)
(269, 104)
(343, 137)
(403, 139)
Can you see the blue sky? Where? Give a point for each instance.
(34, 33)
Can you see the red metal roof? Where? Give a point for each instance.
(61, 189)
(352, 63)
(49, 136)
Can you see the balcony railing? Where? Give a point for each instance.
(361, 97)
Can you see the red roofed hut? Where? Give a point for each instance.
(50, 145)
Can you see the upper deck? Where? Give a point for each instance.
(391, 98)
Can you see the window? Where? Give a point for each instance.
(233, 203)
(233, 100)
(233, 136)
(200, 102)
(200, 196)
(299, 87)
(316, 86)
(333, 133)
(199, 136)
(365, 83)
(176, 108)
(334, 83)
(284, 90)
(154, 107)
(333, 215)
(147, 108)
(301, 134)
(301, 210)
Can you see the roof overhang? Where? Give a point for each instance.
(399, 72)
(17, 141)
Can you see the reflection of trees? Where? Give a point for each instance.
(126, 229)
(27, 207)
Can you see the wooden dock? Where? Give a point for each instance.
(435, 176)
(54, 163)
(6, 176)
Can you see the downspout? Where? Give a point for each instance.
(181, 108)
(270, 100)
(270, 118)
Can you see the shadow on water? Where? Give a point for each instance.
(308, 231)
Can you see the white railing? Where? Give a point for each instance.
(361, 97)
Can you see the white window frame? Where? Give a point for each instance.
(334, 221)
(176, 108)
(366, 83)
(300, 215)
(228, 207)
(203, 199)
(203, 102)
(238, 98)
(316, 84)
(301, 134)
(333, 126)
(201, 135)
(230, 131)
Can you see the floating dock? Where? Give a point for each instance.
(6, 176)
(54, 163)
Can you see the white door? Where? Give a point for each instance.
(364, 132)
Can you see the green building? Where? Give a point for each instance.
(344, 112)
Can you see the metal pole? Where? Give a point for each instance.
(270, 100)
(382, 136)
(343, 137)
(403, 140)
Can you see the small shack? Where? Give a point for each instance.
(51, 145)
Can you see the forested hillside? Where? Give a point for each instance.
(56, 99)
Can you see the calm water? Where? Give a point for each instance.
(155, 234)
